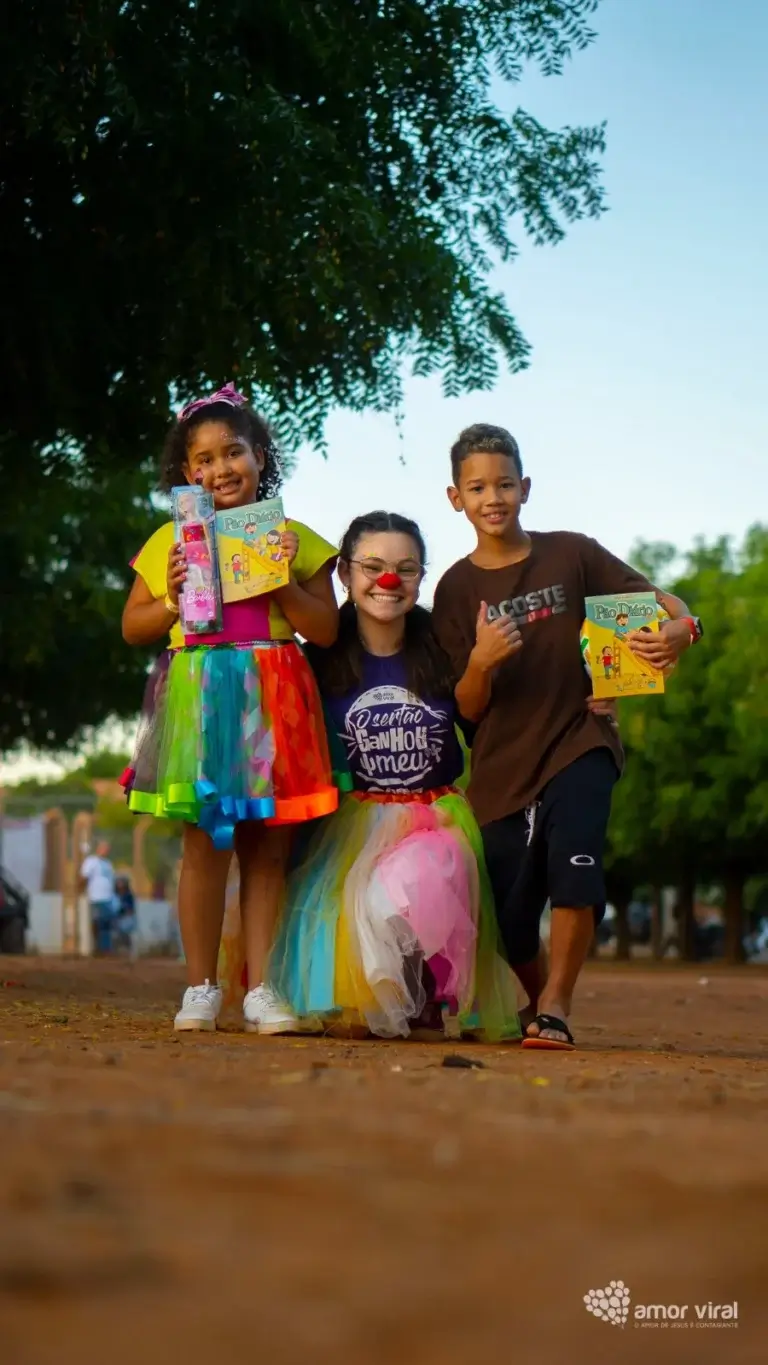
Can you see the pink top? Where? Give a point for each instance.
(246, 620)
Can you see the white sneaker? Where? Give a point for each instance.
(200, 1009)
(265, 1013)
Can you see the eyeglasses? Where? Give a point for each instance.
(374, 568)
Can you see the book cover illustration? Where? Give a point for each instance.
(194, 527)
(615, 670)
(251, 557)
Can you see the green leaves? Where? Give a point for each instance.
(308, 198)
(68, 537)
(695, 794)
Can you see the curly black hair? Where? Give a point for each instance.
(340, 668)
(243, 422)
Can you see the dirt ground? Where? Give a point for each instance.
(219, 1197)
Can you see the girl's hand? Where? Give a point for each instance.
(177, 572)
(604, 706)
(289, 541)
(664, 649)
(496, 640)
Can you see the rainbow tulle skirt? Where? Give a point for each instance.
(231, 733)
(388, 887)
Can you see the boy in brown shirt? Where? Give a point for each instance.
(545, 757)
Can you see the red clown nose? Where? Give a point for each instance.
(389, 580)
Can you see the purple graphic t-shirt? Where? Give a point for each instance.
(396, 742)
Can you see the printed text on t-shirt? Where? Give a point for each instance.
(396, 739)
(532, 606)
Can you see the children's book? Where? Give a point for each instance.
(251, 557)
(616, 671)
(194, 527)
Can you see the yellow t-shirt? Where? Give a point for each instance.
(152, 563)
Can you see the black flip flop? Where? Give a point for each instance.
(551, 1022)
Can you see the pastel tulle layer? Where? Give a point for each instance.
(384, 889)
(232, 733)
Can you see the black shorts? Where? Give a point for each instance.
(551, 851)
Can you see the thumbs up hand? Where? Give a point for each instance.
(496, 640)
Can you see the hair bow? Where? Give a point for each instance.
(228, 394)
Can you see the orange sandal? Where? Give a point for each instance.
(555, 1025)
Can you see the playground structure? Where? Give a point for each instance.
(624, 661)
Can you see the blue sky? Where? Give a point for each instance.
(645, 410)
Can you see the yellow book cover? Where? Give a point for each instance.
(616, 671)
(251, 557)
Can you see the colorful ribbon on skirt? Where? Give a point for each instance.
(200, 804)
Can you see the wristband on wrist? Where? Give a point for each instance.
(694, 625)
(172, 607)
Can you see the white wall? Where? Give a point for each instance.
(45, 922)
(156, 924)
(23, 851)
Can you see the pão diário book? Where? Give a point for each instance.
(251, 556)
(616, 671)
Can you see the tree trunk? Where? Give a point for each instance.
(734, 916)
(623, 948)
(657, 925)
(686, 892)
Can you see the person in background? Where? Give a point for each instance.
(97, 879)
(124, 922)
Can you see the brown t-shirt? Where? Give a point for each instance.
(537, 721)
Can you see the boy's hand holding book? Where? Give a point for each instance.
(496, 641)
(661, 650)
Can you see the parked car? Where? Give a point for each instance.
(14, 914)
